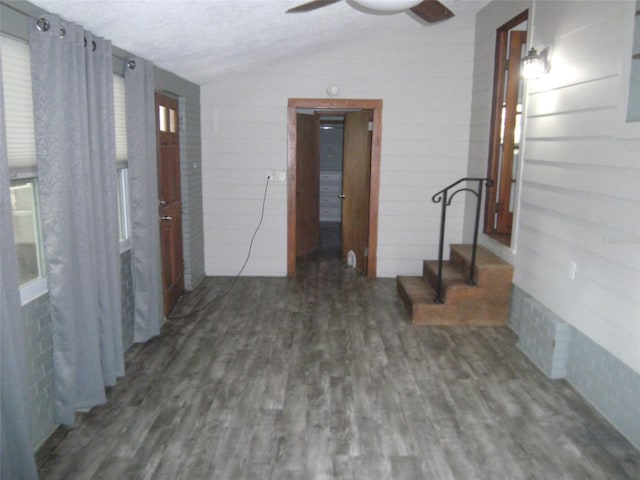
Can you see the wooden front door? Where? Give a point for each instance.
(170, 200)
(308, 184)
(504, 153)
(512, 111)
(356, 170)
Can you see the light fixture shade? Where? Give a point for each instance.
(387, 5)
(535, 64)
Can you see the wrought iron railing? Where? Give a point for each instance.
(444, 197)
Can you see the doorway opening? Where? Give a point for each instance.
(333, 180)
(331, 196)
(506, 132)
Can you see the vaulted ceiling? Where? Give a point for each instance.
(201, 40)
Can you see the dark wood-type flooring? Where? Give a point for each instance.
(323, 377)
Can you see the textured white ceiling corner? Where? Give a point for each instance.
(201, 40)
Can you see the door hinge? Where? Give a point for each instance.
(366, 251)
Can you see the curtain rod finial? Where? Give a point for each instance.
(43, 24)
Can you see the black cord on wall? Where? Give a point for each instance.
(237, 277)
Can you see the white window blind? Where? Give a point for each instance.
(119, 105)
(18, 102)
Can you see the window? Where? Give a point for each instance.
(21, 149)
(506, 129)
(24, 210)
(119, 108)
(18, 99)
(633, 108)
(123, 204)
(167, 119)
(628, 112)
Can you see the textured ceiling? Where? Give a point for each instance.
(201, 40)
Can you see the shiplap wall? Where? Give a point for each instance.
(580, 200)
(580, 197)
(422, 74)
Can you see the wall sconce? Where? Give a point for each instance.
(535, 64)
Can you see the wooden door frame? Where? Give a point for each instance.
(376, 141)
(498, 87)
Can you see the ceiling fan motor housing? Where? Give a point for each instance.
(387, 5)
(427, 10)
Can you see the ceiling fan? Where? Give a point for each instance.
(429, 10)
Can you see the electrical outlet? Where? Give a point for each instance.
(277, 176)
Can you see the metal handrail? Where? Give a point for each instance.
(444, 197)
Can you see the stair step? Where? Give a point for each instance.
(416, 290)
(419, 299)
(451, 272)
(484, 304)
(490, 269)
(454, 280)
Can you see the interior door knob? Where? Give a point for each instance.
(341, 196)
(166, 218)
(297, 194)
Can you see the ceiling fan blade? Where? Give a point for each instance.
(432, 11)
(315, 4)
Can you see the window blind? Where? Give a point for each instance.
(18, 102)
(119, 106)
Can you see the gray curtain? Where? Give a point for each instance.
(75, 146)
(16, 452)
(143, 180)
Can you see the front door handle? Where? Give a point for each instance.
(166, 218)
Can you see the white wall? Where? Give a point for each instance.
(423, 76)
(580, 200)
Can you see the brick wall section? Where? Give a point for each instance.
(611, 386)
(561, 351)
(126, 287)
(544, 338)
(39, 354)
(515, 314)
(190, 151)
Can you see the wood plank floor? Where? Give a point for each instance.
(323, 377)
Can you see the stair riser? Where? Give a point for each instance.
(485, 315)
(484, 275)
(459, 294)
(498, 288)
(404, 296)
(475, 313)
